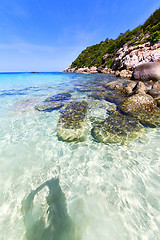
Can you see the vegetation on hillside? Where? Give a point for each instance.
(104, 53)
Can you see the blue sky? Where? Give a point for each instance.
(47, 35)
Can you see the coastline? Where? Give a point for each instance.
(127, 59)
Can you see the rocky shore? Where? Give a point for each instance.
(105, 110)
(127, 59)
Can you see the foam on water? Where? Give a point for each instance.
(112, 191)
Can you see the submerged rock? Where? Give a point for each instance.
(137, 103)
(49, 106)
(25, 105)
(147, 71)
(142, 107)
(54, 223)
(59, 97)
(112, 85)
(90, 88)
(117, 128)
(155, 92)
(114, 96)
(72, 125)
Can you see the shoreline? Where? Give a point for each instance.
(128, 58)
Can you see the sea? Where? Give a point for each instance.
(100, 191)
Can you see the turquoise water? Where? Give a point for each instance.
(112, 191)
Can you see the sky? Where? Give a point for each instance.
(48, 35)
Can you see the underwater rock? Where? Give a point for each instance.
(117, 128)
(72, 125)
(114, 96)
(49, 106)
(59, 97)
(112, 85)
(25, 105)
(142, 107)
(55, 223)
(90, 88)
(137, 103)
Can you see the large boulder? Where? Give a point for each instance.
(142, 107)
(72, 125)
(147, 71)
(137, 103)
(117, 128)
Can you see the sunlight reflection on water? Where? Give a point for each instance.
(111, 191)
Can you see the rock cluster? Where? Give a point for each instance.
(127, 59)
(136, 106)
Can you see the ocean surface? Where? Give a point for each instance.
(107, 191)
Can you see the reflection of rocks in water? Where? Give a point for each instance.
(117, 128)
(50, 106)
(59, 97)
(72, 125)
(56, 224)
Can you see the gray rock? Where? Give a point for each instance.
(59, 97)
(49, 106)
(155, 92)
(156, 84)
(140, 88)
(147, 71)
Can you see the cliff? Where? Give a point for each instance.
(121, 55)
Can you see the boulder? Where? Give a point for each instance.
(154, 92)
(100, 69)
(49, 106)
(112, 85)
(137, 103)
(129, 88)
(125, 73)
(140, 88)
(117, 128)
(156, 84)
(147, 71)
(58, 97)
(72, 125)
(142, 107)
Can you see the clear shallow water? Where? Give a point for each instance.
(112, 191)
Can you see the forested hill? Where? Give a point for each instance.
(104, 53)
